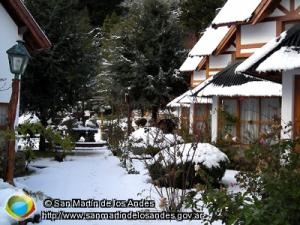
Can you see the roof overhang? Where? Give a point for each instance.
(33, 35)
(257, 14)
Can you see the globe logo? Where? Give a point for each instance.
(20, 207)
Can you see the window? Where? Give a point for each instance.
(249, 119)
(199, 75)
(229, 117)
(270, 113)
(3, 114)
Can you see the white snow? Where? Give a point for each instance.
(202, 85)
(28, 118)
(209, 41)
(90, 123)
(286, 58)
(174, 103)
(186, 99)
(22, 142)
(96, 175)
(202, 153)
(190, 64)
(154, 137)
(66, 119)
(236, 11)
(250, 89)
(98, 137)
(260, 53)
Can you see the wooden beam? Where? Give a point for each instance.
(264, 10)
(202, 63)
(226, 40)
(292, 5)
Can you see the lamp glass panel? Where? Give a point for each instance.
(17, 62)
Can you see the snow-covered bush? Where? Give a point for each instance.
(185, 165)
(150, 140)
(28, 118)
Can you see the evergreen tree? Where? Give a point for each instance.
(57, 78)
(98, 10)
(196, 15)
(143, 51)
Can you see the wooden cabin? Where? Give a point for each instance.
(239, 30)
(279, 60)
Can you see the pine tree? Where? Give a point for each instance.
(56, 79)
(197, 14)
(143, 51)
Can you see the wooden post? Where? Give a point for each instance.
(11, 152)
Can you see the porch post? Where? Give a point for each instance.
(191, 125)
(214, 118)
(287, 107)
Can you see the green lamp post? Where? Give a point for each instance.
(18, 57)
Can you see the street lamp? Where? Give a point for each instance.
(18, 57)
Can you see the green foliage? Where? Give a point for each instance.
(237, 158)
(184, 175)
(116, 136)
(57, 78)
(142, 51)
(271, 193)
(197, 15)
(54, 138)
(98, 10)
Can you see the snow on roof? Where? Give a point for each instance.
(209, 41)
(174, 103)
(286, 58)
(249, 89)
(191, 63)
(189, 99)
(236, 11)
(186, 99)
(260, 53)
(202, 85)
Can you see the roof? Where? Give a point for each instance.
(34, 37)
(235, 11)
(210, 40)
(227, 83)
(280, 54)
(186, 99)
(191, 63)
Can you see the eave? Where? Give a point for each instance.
(33, 35)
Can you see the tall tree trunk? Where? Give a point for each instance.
(11, 151)
(154, 115)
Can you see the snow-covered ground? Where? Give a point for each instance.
(95, 175)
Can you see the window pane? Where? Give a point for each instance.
(270, 109)
(270, 112)
(249, 119)
(229, 117)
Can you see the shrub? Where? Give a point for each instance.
(115, 137)
(270, 193)
(141, 122)
(186, 165)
